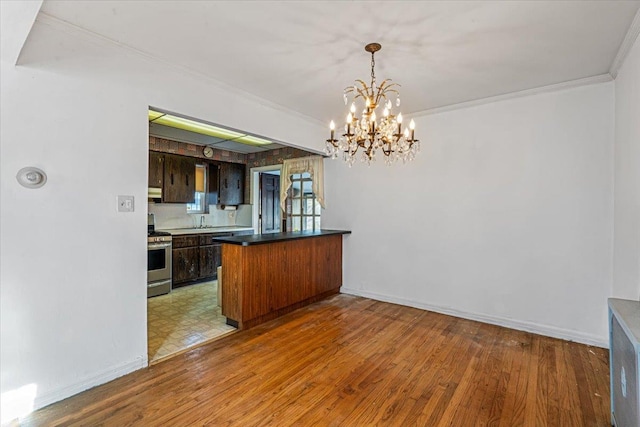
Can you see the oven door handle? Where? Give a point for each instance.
(159, 245)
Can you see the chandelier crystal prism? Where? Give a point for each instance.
(368, 135)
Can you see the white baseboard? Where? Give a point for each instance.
(88, 382)
(536, 328)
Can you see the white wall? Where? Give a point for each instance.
(626, 261)
(505, 216)
(73, 270)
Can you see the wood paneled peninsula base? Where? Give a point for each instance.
(267, 275)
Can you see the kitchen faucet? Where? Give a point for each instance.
(201, 221)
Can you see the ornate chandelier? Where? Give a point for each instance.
(368, 133)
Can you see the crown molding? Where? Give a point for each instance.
(602, 78)
(627, 44)
(93, 37)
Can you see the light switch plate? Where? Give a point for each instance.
(125, 204)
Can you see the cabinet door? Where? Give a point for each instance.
(213, 181)
(179, 179)
(231, 184)
(217, 256)
(185, 264)
(156, 169)
(188, 178)
(210, 260)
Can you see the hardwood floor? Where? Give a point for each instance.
(356, 362)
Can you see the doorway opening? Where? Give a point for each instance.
(265, 197)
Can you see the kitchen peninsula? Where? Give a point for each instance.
(267, 275)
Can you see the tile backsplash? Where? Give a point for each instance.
(174, 215)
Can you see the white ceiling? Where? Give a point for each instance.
(302, 54)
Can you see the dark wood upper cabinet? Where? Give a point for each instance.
(179, 179)
(231, 190)
(212, 183)
(156, 169)
(176, 175)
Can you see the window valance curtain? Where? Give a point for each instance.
(314, 165)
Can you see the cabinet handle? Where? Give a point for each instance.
(238, 184)
(171, 179)
(187, 178)
(225, 183)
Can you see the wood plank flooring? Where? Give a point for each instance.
(350, 361)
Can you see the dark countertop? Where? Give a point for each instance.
(260, 239)
(205, 230)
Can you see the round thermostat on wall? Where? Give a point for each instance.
(208, 152)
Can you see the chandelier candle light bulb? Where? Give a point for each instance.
(369, 135)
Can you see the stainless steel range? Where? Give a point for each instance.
(159, 245)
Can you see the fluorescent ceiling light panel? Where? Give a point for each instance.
(154, 115)
(253, 140)
(204, 129)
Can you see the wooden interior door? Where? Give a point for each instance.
(269, 203)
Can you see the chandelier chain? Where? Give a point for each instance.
(373, 74)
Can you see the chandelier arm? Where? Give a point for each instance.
(362, 93)
(388, 87)
(368, 151)
(354, 88)
(388, 92)
(387, 83)
(380, 95)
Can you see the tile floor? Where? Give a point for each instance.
(183, 318)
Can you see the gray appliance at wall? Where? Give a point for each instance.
(624, 362)
(159, 247)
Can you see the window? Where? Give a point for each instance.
(198, 205)
(303, 209)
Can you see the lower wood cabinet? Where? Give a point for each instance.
(185, 264)
(197, 257)
(211, 254)
(210, 260)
